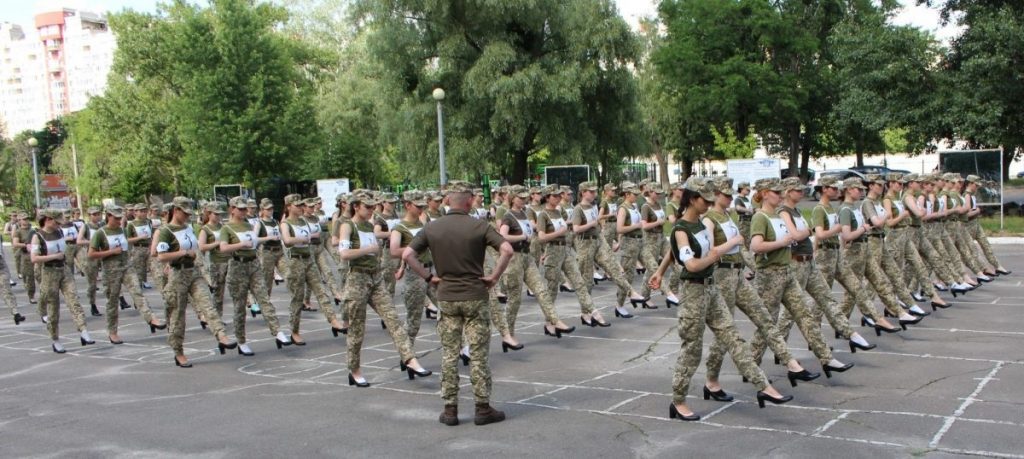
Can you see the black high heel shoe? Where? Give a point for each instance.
(335, 331)
(879, 329)
(505, 347)
(247, 354)
(223, 347)
(625, 315)
(337, 302)
(763, 397)
(562, 288)
(86, 342)
(182, 365)
(281, 344)
(802, 375)
(719, 395)
(430, 313)
(674, 413)
(413, 373)
(556, 334)
(117, 342)
(154, 328)
(503, 299)
(18, 318)
(829, 369)
(202, 323)
(641, 302)
(124, 304)
(936, 306)
(594, 323)
(383, 325)
(1003, 272)
(887, 314)
(464, 358)
(854, 346)
(905, 322)
(961, 291)
(58, 350)
(352, 382)
(669, 303)
(253, 312)
(865, 323)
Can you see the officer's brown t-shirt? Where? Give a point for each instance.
(457, 242)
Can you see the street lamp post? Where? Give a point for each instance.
(32, 142)
(439, 97)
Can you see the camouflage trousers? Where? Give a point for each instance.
(156, 270)
(302, 275)
(908, 259)
(935, 263)
(777, 285)
(737, 292)
(415, 297)
(184, 284)
(17, 261)
(893, 246)
(948, 249)
(964, 245)
(629, 252)
(139, 262)
(596, 251)
(27, 270)
(469, 318)
(536, 250)
(809, 278)
(364, 288)
(115, 275)
(91, 268)
(5, 287)
(388, 265)
(218, 277)
(55, 281)
(203, 265)
(269, 261)
(838, 266)
(558, 261)
(245, 278)
(71, 257)
(325, 273)
(977, 234)
(521, 271)
(745, 230)
(651, 255)
(701, 305)
(609, 234)
(864, 264)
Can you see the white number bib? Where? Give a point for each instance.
(859, 216)
(704, 239)
(780, 228)
(391, 222)
(731, 230)
(143, 231)
(55, 247)
(557, 224)
(302, 233)
(117, 240)
(273, 231)
(526, 227)
(660, 214)
(899, 206)
(314, 231)
(367, 239)
(248, 236)
(414, 231)
(253, 221)
(70, 232)
(879, 210)
(591, 214)
(634, 216)
(833, 219)
(186, 238)
(612, 208)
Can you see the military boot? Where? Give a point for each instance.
(485, 414)
(450, 415)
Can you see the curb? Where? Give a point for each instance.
(1006, 240)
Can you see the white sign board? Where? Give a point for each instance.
(328, 190)
(750, 170)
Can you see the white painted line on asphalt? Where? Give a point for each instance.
(980, 453)
(620, 404)
(820, 430)
(720, 410)
(963, 406)
(995, 301)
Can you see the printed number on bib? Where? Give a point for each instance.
(117, 240)
(526, 227)
(558, 224)
(367, 239)
(731, 230)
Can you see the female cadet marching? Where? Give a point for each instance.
(956, 230)
(317, 233)
(383, 224)
(591, 247)
(737, 292)
(301, 269)
(901, 258)
(973, 226)
(770, 242)
(110, 246)
(245, 276)
(552, 232)
(365, 285)
(653, 217)
(49, 249)
(917, 241)
(268, 230)
(70, 231)
(834, 266)
(20, 240)
(416, 288)
(209, 243)
(139, 232)
(701, 304)
(629, 227)
(178, 247)
(808, 277)
(88, 265)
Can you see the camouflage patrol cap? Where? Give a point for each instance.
(478, 191)
(588, 186)
(629, 187)
(853, 182)
(701, 186)
(167, 207)
(742, 185)
(769, 184)
(415, 197)
(828, 181)
(218, 207)
(645, 182)
(792, 183)
(51, 213)
(266, 203)
(94, 210)
(154, 206)
(115, 210)
(655, 187)
(435, 196)
(535, 189)
(390, 197)
(549, 190)
(911, 177)
(722, 185)
(459, 186)
(894, 177)
(610, 187)
(873, 178)
(239, 202)
(974, 179)
(365, 198)
(953, 177)
(294, 200)
(520, 191)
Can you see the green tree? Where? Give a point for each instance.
(519, 77)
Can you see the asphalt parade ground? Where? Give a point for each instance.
(950, 386)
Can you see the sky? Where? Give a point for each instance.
(22, 12)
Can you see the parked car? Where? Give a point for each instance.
(1020, 174)
(841, 174)
(881, 170)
